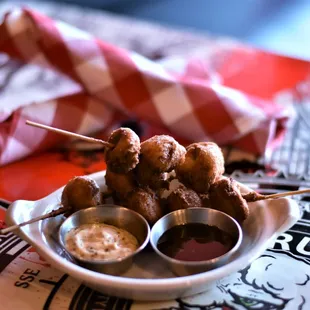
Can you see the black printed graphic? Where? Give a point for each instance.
(83, 298)
(86, 298)
(11, 246)
(56, 285)
(274, 281)
(279, 279)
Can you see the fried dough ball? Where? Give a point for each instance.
(203, 165)
(225, 196)
(183, 198)
(80, 193)
(161, 153)
(118, 199)
(148, 178)
(121, 184)
(145, 202)
(124, 156)
(205, 201)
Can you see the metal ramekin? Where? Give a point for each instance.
(196, 215)
(112, 215)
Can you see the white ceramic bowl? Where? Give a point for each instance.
(148, 278)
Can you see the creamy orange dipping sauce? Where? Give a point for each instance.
(100, 242)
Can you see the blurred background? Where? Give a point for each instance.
(167, 30)
(282, 26)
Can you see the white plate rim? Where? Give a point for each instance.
(144, 285)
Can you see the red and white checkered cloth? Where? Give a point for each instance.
(117, 83)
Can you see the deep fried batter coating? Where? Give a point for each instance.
(203, 165)
(183, 198)
(205, 200)
(163, 204)
(145, 202)
(161, 153)
(148, 178)
(80, 193)
(118, 199)
(121, 184)
(225, 196)
(253, 196)
(124, 156)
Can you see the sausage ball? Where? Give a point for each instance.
(183, 198)
(146, 177)
(225, 196)
(203, 165)
(121, 184)
(161, 153)
(80, 193)
(145, 202)
(124, 155)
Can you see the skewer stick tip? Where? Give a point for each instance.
(70, 134)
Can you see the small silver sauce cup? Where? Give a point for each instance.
(196, 215)
(111, 215)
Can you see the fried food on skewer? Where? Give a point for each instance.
(145, 202)
(205, 201)
(157, 209)
(253, 196)
(106, 194)
(161, 153)
(80, 193)
(224, 195)
(183, 198)
(124, 155)
(148, 178)
(203, 165)
(69, 134)
(200, 167)
(120, 184)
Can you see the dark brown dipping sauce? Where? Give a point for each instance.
(195, 242)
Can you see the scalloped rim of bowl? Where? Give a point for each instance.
(183, 285)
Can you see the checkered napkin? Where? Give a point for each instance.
(118, 84)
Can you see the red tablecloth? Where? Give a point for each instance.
(37, 176)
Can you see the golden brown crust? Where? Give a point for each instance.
(183, 198)
(145, 202)
(161, 153)
(225, 196)
(121, 184)
(205, 201)
(136, 177)
(252, 196)
(124, 156)
(80, 193)
(203, 165)
(148, 178)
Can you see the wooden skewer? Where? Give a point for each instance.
(253, 196)
(41, 217)
(70, 134)
(249, 197)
